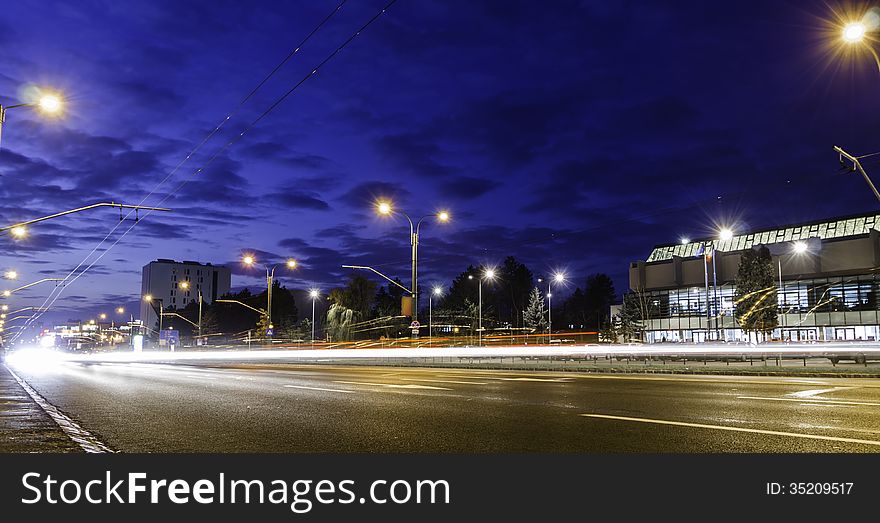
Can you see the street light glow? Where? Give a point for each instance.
(148, 297)
(314, 293)
(120, 310)
(725, 234)
(184, 285)
(19, 231)
(443, 216)
(559, 277)
(50, 103)
(438, 291)
(10, 275)
(489, 274)
(384, 208)
(685, 241)
(291, 264)
(4, 308)
(7, 293)
(800, 247)
(248, 260)
(854, 32)
(103, 316)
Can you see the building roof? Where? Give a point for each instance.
(827, 229)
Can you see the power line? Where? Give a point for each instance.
(53, 296)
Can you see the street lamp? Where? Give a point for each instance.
(250, 261)
(120, 310)
(488, 274)
(385, 208)
(854, 32)
(10, 275)
(150, 299)
(797, 248)
(8, 292)
(48, 103)
(313, 294)
(437, 291)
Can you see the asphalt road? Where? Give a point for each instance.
(238, 407)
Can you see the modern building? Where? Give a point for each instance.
(827, 273)
(161, 279)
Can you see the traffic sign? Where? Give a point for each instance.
(415, 325)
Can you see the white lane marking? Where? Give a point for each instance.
(391, 385)
(200, 377)
(321, 389)
(445, 381)
(548, 380)
(734, 429)
(815, 392)
(817, 401)
(74, 431)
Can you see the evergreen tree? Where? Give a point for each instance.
(756, 305)
(535, 313)
(631, 317)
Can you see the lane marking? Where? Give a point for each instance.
(816, 401)
(321, 389)
(199, 377)
(815, 392)
(446, 381)
(72, 429)
(734, 429)
(391, 385)
(545, 380)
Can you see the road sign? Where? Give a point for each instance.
(269, 332)
(169, 337)
(415, 325)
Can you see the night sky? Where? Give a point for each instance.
(572, 135)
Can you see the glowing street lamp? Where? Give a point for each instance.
(436, 291)
(488, 274)
(854, 32)
(313, 294)
(557, 278)
(120, 310)
(103, 316)
(250, 261)
(385, 208)
(19, 231)
(10, 275)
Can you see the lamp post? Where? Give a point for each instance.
(557, 278)
(185, 286)
(385, 208)
(8, 292)
(150, 299)
(313, 294)
(250, 261)
(797, 248)
(48, 103)
(19, 230)
(488, 274)
(437, 291)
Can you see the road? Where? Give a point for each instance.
(275, 407)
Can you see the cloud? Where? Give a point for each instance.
(365, 194)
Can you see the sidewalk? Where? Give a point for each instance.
(24, 426)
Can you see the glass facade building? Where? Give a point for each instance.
(827, 291)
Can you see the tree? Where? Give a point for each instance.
(756, 302)
(590, 308)
(632, 316)
(513, 294)
(535, 316)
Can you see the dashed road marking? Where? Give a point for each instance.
(321, 389)
(816, 392)
(391, 385)
(734, 429)
(445, 381)
(813, 401)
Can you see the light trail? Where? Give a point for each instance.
(37, 357)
